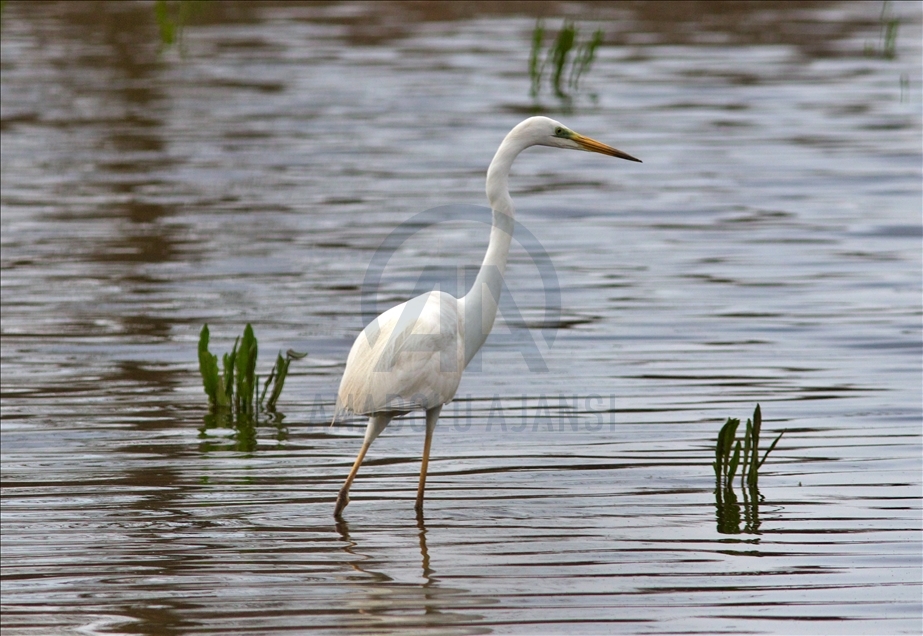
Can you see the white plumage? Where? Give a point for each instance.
(409, 358)
(412, 356)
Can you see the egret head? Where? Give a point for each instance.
(542, 131)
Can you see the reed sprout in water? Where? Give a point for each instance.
(235, 389)
(726, 463)
(172, 17)
(731, 453)
(567, 59)
(887, 35)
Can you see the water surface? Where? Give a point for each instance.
(767, 250)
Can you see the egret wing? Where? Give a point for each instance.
(411, 357)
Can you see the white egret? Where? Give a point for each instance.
(412, 356)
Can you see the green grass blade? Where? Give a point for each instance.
(269, 378)
(723, 446)
(208, 368)
(754, 462)
(584, 59)
(771, 446)
(889, 26)
(252, 386)
(748, 439)
(732, 468)
(726, 438)
(889, 49)
(535, 71)
(246, 370)
(229, 363)
(559, 54)
(282, 366)
(165, 22)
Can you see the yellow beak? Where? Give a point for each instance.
(592, 145)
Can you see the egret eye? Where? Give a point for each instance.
(559, 131)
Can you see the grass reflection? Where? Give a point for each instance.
(220, 431)
(728, 510)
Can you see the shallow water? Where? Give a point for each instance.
(768, 250)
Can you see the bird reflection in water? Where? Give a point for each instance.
(394, 603)
(424, 553)
(342, 527)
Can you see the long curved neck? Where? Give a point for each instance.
(480, 304)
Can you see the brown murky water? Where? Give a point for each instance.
(768, 250)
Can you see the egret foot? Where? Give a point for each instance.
(342, 502)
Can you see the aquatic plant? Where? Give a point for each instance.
(235, 390)
(887, 35)
(559, 61)
(730, 453)
(172, 18)
(726, 464)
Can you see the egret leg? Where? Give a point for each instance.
(432, 416)
(377, 424)
(343, 497)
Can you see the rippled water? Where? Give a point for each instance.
(768, 250)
